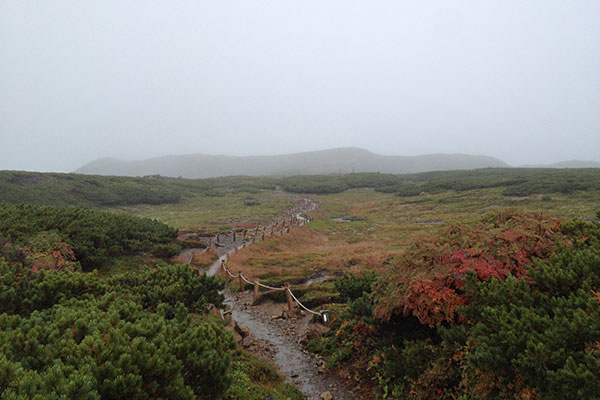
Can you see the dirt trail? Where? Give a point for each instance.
(274, 338)
(279, 341)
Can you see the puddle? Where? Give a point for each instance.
(340, 219)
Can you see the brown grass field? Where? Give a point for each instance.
(361, 230)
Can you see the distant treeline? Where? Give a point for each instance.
(98, 191)
(514, 181)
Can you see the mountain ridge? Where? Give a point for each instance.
(344, 160)
(566, 164)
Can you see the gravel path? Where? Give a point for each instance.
(279, 340)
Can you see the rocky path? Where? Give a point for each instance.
(276, 339)
(281, 341)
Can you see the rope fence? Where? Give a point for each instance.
(321, 313)
(269, 287)
(302, 305)
(259, 233)
(294, 217)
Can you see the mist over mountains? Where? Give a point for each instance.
(342, 160)
(332, 161)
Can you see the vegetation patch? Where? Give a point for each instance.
(512, 311)
(76, 335)
(514, 181)
(89, 236)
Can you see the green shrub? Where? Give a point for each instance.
(70, 334)
(352, 286)
(96, 236)
(166, 250)
(170, 285)
(542, 337)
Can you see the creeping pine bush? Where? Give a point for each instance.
(351, 286)
(543, 337)
(75, 335)
(111, 348)
(95, 236)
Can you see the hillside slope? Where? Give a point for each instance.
(342, 160)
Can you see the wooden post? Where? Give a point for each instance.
(288, 295)
(227, 314)
(218, 237)
(241, 281)
(234, 236)
(227, 277)
(255, 292)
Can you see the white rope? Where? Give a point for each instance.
(240, 275)
(270, 287)
(302, 305)
(246, 280)
(230, 274)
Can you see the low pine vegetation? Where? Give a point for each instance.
(447, 285)
(71, 234)
(143, 332)
(72, 335)
(110, 191)
(91, 191)
(513, 181)
(83, 190)
(505, 308)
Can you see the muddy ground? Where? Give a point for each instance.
(281, 341)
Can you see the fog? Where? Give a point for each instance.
(79, 80)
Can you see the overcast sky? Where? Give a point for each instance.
(79, 80)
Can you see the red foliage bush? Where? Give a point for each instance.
(426, 281)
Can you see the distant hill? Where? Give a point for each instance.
(567, 164)
(343, 160)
